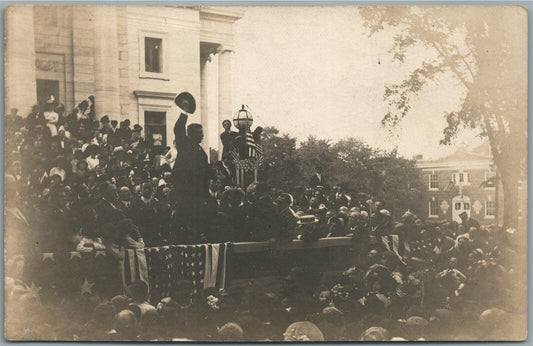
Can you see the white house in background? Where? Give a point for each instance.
(133, 59)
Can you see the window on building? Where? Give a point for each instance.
(467, 206)
(462, 178)
(47, 88)
(457, 206)
(155, 123)
(433, 208)
(153, 54)
(433, 182)
(490, 209)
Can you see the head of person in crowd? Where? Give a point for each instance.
(232, 198)
(364, 217)
(353, 218)
(332, 324)
(120, 302)
(230, 331)
(376, 334)
(146, 190)
(303, 331)
(330, 214)
(372, 257)
(463, 242)
(125, 194)
(138, 291)
(325, 298)
(314, 203)
(126, 325)
(150, 326)
(108, 191)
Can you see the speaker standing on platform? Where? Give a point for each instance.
(191, 171)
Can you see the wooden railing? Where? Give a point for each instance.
(247, 247)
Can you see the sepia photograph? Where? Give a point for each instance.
(265, 173)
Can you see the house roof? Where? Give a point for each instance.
(462, 157)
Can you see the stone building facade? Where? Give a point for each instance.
(133, 59)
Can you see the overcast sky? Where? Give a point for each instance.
(315, 71)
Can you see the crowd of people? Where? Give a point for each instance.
(75, 183)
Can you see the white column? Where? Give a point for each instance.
(225, 110)
(107, 90)
(20, 83)
(204, 110)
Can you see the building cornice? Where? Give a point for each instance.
(454, 165)
(154, 94)
(228, 14)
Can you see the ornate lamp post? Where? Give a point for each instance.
(246, 152)
(243, 119)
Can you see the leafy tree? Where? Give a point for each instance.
(350, 163)
(484, 50)
(353, 165)
(281, 166)
(315, 152)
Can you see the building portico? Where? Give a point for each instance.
(133, 59)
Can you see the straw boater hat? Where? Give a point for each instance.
(307, 220)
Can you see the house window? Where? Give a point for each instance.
(153, 49)
(490, 209)
(461, 178)
(433, 182)
(433, 208)
(155, 123)
(153, 55)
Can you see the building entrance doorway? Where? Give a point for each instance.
(460, 204)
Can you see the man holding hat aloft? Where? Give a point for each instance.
(191, 171)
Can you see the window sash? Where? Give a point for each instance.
(433, 208)
(433, 182)
(490, 208)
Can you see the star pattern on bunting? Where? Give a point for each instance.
(48, 255)
(86, 287)
(99, 253)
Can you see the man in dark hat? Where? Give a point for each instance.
(317, 178)
(124, 130)
(467, 221)
(191, 171)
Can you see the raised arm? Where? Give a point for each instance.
(179, 130)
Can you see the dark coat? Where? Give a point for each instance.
(226, 138)
(191, 172)
(314, 181)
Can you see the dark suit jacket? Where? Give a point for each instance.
(191, 172)
(226, 138)
(314, 181)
